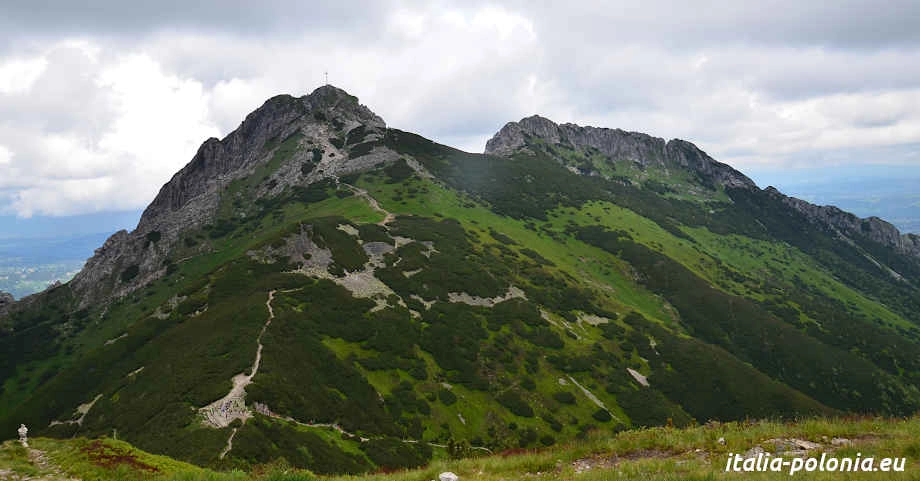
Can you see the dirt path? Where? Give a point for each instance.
(49, 470)
(231, 407)
(264, 410)
(388, 216)
(229, 447)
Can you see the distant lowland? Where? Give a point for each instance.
(38, 252)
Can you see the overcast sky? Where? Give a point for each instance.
(102, 101)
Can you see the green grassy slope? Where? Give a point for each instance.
(648, 454)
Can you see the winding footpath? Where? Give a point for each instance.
(229, 447)
(221, 413)
(231, 407)
(262, 409)
(387, 215)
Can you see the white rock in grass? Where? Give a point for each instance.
(448, 476)
(24, 435)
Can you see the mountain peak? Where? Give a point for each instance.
(288, 141)
(332, 94)
(331, 98)
(617, 145)
(278, 118)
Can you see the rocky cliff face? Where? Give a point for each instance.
(850, 225)
(618, 145)
(6, 301)
(329, 122)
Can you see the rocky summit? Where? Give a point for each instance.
(191, 198)
(321, 290)
(618, 146)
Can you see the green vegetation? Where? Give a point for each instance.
(652, 454)
(502, 304)
(263, 441)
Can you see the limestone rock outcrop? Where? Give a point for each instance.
(618, 145)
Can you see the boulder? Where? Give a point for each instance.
(448, 476)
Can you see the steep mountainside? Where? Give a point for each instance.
(321, 288)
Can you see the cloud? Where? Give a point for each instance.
(101, 103)
(5, 155)
(104, 134)
(17, 76)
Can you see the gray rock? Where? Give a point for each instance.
(791, 446)
(753, 452)
(6, 302)
(448, 476)
(618, 145)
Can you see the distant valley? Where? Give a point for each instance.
(36, 252)
(29, 265)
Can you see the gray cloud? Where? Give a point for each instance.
(844, 24)
(53, 18)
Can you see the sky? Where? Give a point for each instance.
(101, 102)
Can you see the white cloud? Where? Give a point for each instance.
(5, 155)
(407, 23)
(17, 76)
(142, 126)
(160, 119)
(231, 100)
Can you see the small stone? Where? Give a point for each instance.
(448, 476)
(753, 452)
(721, 441)
(806, 445)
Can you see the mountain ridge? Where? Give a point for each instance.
(624, 146)
(619, 145)
(199, 181)
(350, 297)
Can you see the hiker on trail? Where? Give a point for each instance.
(23, 435)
